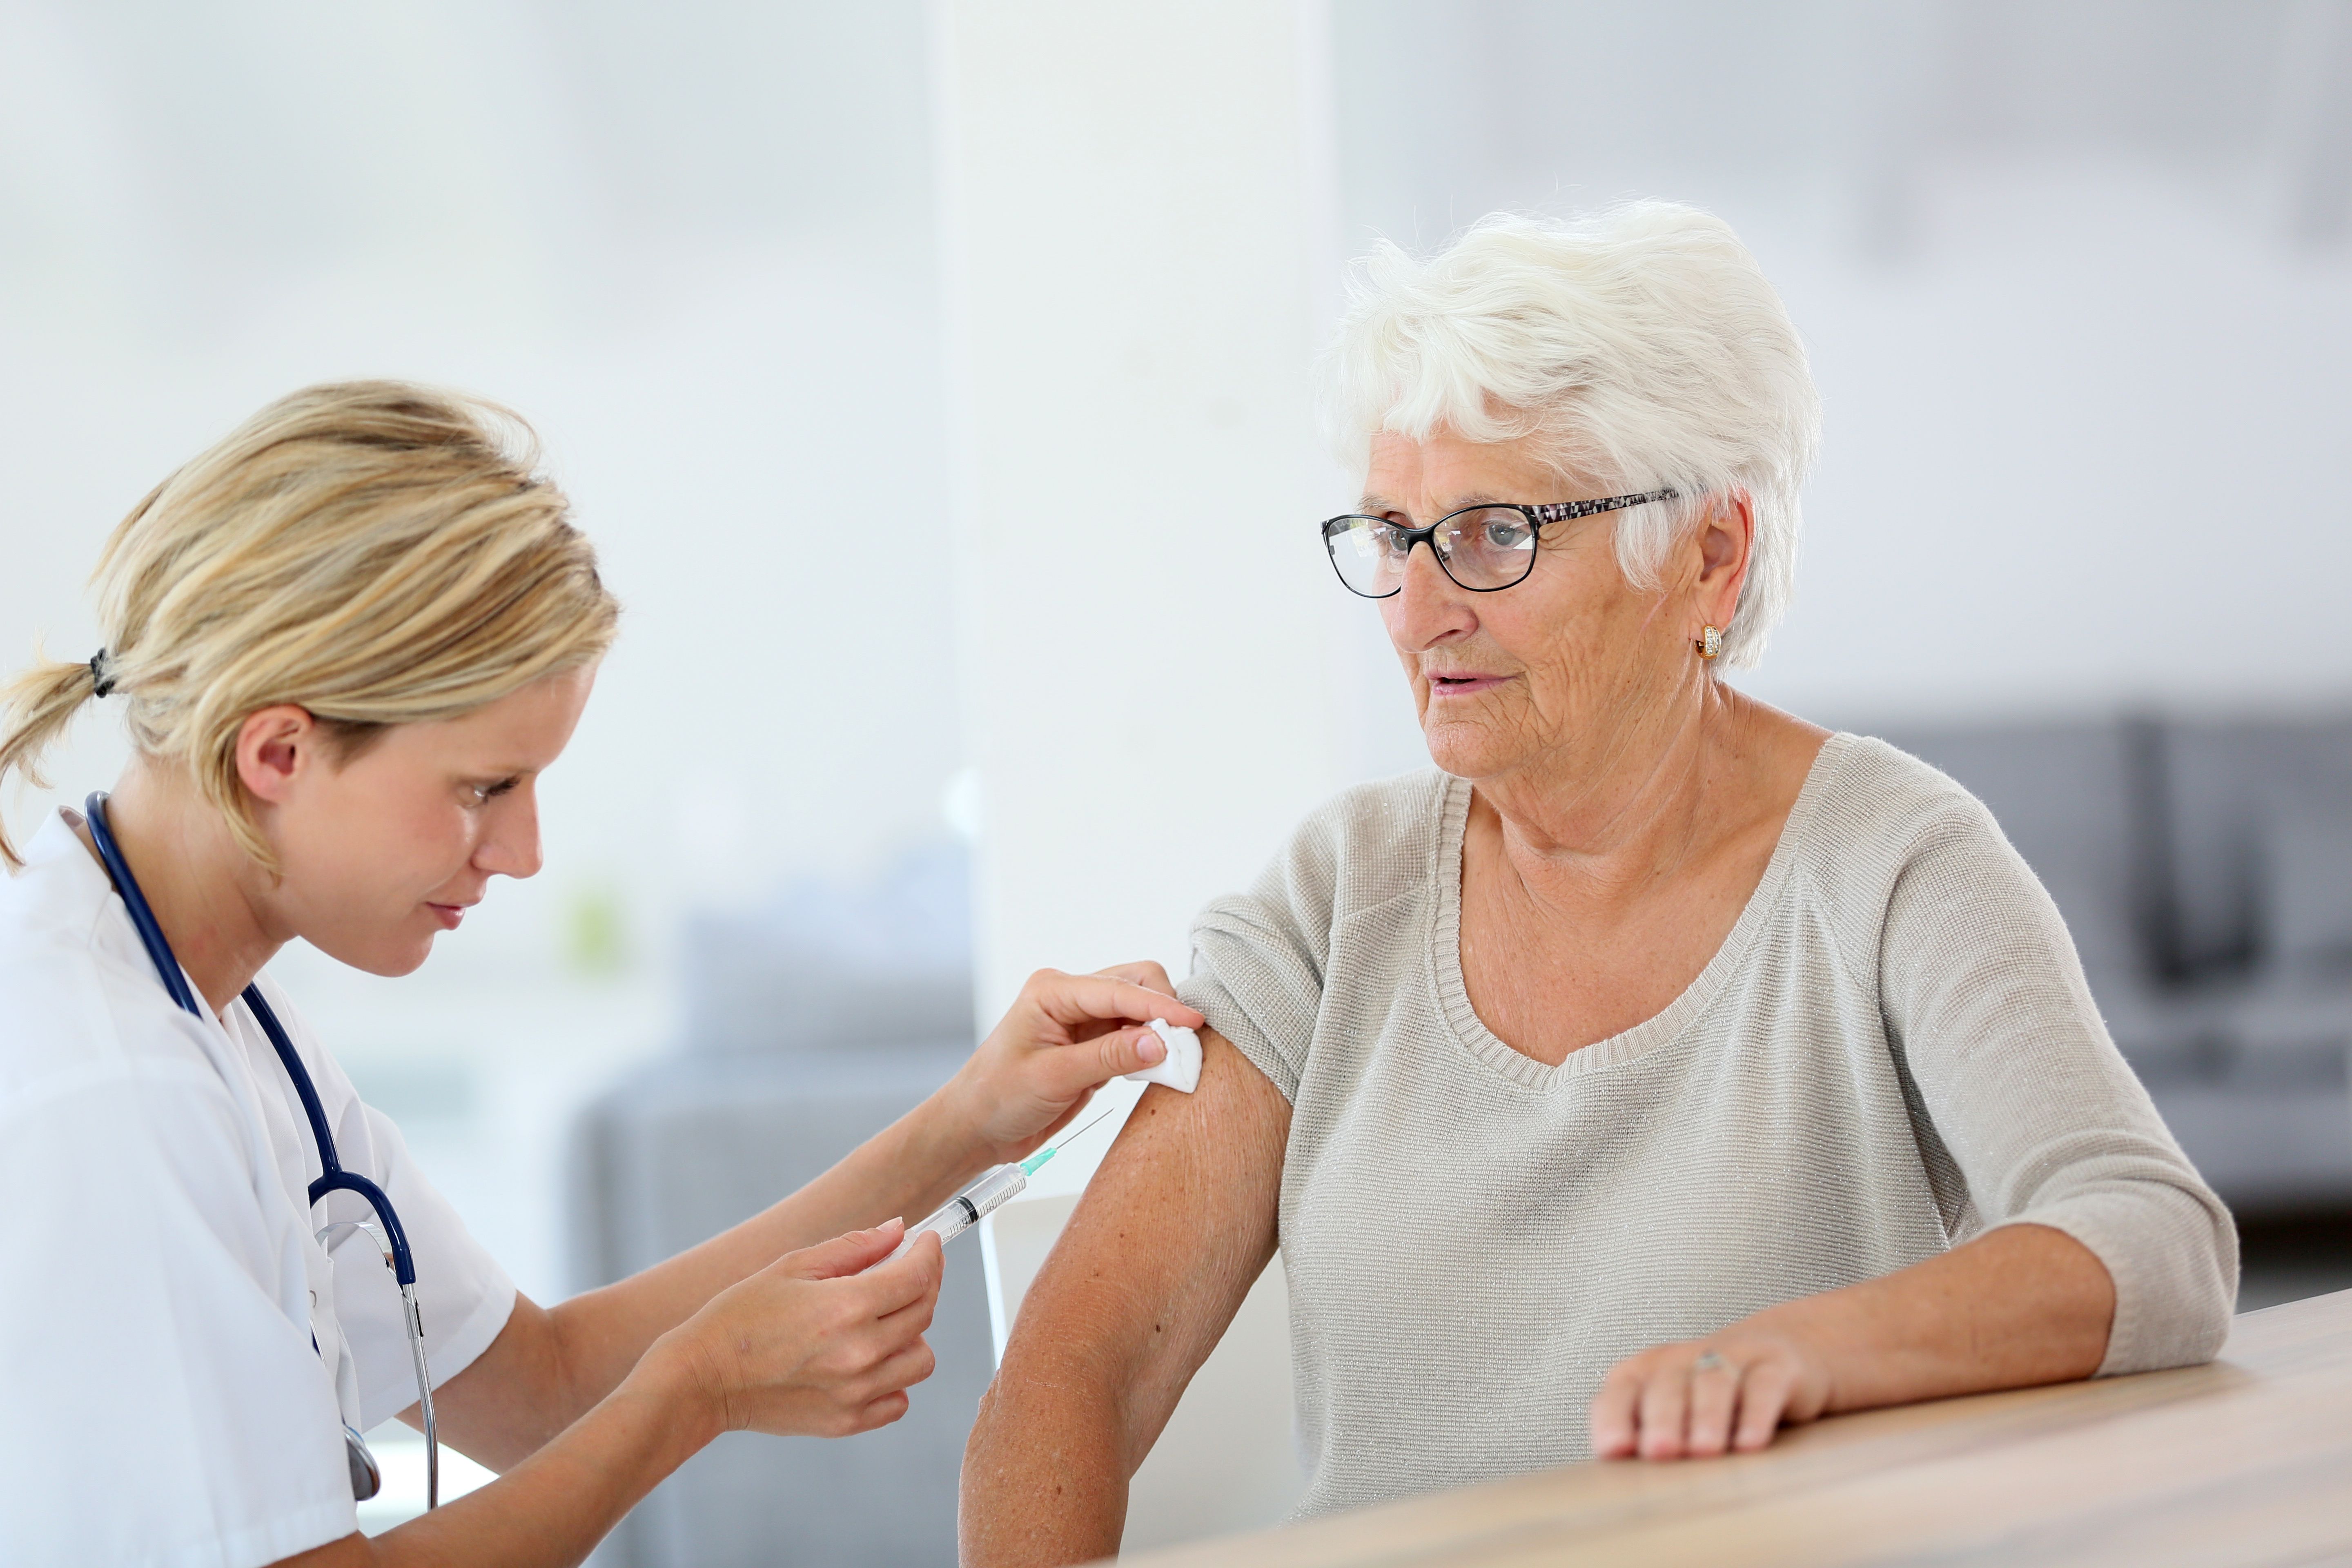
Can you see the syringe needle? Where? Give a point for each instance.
(1064, 1141)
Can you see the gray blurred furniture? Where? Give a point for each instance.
(2205, 868)
(813, 1024)
(691, 1146)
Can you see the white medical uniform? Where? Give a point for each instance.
(161, 1397)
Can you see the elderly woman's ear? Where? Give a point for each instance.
(1720, 548)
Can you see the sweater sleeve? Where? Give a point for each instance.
(1986, 1001)
(1260, 958)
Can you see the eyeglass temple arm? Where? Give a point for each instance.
(1562, 511)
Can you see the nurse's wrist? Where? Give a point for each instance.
(948, 1132)
(676, 1378)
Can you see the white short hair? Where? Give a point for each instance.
(1640, 346)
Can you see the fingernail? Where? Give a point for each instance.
(1150, 1047)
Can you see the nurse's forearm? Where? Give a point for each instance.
(907, 1170)
(551, 1511)
(1064, 1035)
(548, 1366)
(825, 1342)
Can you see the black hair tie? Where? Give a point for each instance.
(101, 683)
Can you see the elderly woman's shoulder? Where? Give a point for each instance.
(1369, 843)
(1415, 796)
(1409, 807)
(1872, 790)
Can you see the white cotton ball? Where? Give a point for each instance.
(1179, 1069)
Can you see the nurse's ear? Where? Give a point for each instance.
(275, 747)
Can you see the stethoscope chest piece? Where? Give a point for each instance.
(367, 1479)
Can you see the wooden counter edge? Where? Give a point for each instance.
(2262, 1345)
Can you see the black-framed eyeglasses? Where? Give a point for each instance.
(1484, 548)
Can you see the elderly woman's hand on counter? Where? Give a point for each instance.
(2023, 1305)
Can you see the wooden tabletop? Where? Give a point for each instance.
(2248, 1461)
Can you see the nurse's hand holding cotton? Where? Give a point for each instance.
(1179, 1069)
(1063, 1036)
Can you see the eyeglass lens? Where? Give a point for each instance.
(1487, 547)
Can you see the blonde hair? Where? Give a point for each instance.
(375, 553)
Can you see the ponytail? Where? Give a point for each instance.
(40, 705)
(373, 551)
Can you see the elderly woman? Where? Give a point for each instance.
(1658, 1070)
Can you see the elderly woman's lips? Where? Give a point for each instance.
(1463, 685)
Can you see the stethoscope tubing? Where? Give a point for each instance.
(333, 1176)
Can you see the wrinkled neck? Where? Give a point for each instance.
(1625, 803)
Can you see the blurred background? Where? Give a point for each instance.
(1033, 290)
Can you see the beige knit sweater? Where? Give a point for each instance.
(1894, 1049)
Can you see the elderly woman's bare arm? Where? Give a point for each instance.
(1172, 1232)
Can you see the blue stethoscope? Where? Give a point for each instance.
(387, 1234)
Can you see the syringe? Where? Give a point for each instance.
(986, 1195)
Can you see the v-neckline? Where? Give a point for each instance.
(1444, 946)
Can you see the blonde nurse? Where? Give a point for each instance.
(346, 643)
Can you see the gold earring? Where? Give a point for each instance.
(1710, 642)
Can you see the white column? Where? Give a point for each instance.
(1135, 235)
(1130, 265)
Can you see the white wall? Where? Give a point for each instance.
(1132, 250)
(1131, 268)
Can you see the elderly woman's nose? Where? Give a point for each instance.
(1428, 605)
